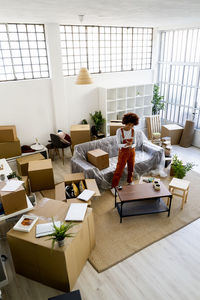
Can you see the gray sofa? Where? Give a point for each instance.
(148, 157)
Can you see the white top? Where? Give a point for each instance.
(127, 135)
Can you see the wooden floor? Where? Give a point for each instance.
(168, 269)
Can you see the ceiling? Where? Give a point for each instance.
(155, 13)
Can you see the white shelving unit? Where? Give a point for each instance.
(115, 102)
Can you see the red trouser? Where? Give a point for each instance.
(126, 155)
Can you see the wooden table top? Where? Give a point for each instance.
(142, 191)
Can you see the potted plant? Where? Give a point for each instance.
(157, 101)
(178, 169)
(98, 120)
(60, 233)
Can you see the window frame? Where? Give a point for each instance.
(146, 63)
(181, 86)
(29, 49)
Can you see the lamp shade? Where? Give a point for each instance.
(84, 77)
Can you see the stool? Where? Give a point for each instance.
(180, 185)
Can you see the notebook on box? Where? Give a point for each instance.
(76, 212)
(46, 229)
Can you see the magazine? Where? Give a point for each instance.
(25, 223)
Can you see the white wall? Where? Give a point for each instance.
(28, 105)
(41, 106)
(83, 99)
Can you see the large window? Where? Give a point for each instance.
(179, 75)
(105, 49)
(23, 53)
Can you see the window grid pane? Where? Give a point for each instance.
(23, 53)
(179, 75)
(105, 48)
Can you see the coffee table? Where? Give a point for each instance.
(141, 199)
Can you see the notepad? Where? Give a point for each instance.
(86, 195)
(76, 212)
(46, 229)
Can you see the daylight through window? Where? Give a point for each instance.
(179, 75)
(105, 49)
(23, 53)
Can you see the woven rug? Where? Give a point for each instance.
(115, 242)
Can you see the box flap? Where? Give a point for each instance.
(60, 191)
(80, 127)
(92, 185)
(56, 194)
(25, 159)
(37, 165)
(74, 177)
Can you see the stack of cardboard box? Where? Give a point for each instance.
(156, 138)
(9, 143)
(166, 144)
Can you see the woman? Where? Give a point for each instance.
(126, 141)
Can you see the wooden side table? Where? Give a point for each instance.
(182, 186)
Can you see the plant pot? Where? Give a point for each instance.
(172, 173)
(61, 243)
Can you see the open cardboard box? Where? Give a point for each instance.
(90, 184)
(58, 193)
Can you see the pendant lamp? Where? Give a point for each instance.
(84, 77)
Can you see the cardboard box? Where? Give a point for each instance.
(22, 162)
(40, 173)
(13, 201)
(172, 130)
(114, 126)
(90, 184)
(8, 133)
(80, 134)
(10, 149)
(26, 184)
(98, 158)
(59, 267)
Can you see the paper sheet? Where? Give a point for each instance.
(12, 185)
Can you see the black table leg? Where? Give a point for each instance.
(115, 197)
(170, 202)
(121, 213)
